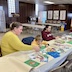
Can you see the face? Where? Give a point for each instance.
(39, 42)
(49, 28)
(18, 30)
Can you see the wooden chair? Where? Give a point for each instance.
(60, 68)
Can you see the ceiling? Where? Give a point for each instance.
(55, 1)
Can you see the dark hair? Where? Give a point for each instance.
(15, 24)
(45, 27)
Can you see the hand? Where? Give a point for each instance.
(52, 50)
(57, 37)
(40, 45)
(36, 48)
(47, 45)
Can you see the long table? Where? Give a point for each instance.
(33, 26)
(51, 24)
(55, 28)
(15, 62)
(41, 25)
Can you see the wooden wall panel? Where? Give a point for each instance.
(59, 7)
(25, 10)
(5, 7)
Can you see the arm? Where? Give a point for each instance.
(45, 37)
(34, 43)
(16, 44)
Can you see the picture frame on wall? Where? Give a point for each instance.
(56, 14)
(62, 14)
(50, 14)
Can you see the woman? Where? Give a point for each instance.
(11, 43)
(46, 33)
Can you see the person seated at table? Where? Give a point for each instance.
(11, 43)
(38, 41)
(28, 19)
(46, 33)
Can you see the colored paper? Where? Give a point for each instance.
(70, 42)
(54, 54)
(42, 47)
(32, 63)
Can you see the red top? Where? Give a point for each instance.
(47, 36)
(70, 30)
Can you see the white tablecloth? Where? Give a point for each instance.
(15, 62)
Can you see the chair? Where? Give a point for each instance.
(34, 70)
(69, 57)
(27, 40)
(69, 66)
(60, 68)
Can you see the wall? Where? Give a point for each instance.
(66, 7)
(42, 7)
(4, 4)
(5, 7)
(25, 10)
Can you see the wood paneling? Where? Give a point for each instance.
(59, 7)
(5, 7)
(25, 10)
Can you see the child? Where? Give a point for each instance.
(38, 41)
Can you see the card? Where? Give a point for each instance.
(42, 47)
(31, 63)
(32, 55)
(44, 58)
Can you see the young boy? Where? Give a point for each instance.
(38, 41)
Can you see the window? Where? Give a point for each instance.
(11, 7)
(36, 9)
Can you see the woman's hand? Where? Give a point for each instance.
(57, 37)
(36, 48)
